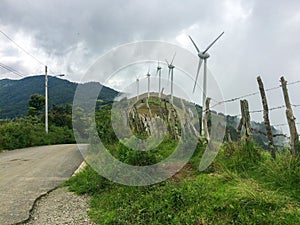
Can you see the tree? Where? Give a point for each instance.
(61, 116)
(36, 105)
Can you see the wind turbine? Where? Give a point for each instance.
(158, 72)
(203, 56)
(171, 68)
(148, 76)
(137, 88)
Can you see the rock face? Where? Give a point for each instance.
(155, 118)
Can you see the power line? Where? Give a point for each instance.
(21, 47)
(11, 70)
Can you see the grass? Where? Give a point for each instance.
(243, 186)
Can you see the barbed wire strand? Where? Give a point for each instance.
(252, 94)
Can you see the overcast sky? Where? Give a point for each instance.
(261, 38)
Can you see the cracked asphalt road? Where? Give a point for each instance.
(26, 174)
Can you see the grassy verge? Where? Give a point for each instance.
(243, 186)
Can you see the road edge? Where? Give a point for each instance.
(80, 168)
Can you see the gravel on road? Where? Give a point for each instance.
(60, 207)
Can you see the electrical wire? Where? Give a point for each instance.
(20, 47)
(12, 70)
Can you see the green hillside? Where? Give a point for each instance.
(14, 94)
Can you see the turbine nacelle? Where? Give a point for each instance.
(203, 55)
(171, 66)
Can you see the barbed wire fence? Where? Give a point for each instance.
(217, 103)
(269, 109)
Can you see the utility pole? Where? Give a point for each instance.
(46, 100)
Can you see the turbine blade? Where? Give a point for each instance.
(194, 44)
(167, 62)
(197, 75)
(173, 58)
(213, 42)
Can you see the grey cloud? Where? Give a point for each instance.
(261, 37)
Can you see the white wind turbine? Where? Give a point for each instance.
(148, 75)
(137, 88)
(203, 56)
(158, 72)
(171, 72)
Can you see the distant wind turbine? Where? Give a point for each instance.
(171, 72)
(148, 75)
(137, 88)
(158, 72)
(203, 56)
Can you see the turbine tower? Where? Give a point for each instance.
(171, 72)
(203, 56)
(158, 72)
(148, 75)
(137, 88)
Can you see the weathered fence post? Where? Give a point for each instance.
(167, 113)
(175, 121)
(205, 119)
(245, 121)
(294, 137)
(266, 117)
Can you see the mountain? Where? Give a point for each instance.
(14, 94)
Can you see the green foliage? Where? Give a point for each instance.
(135, 157)
(14, 94)
(36, 105)
(238, 157)
(87, 181)
(104, 126)
(61, 116)
(29, 132)
(203, 200)
(243, 186)
(282, 173)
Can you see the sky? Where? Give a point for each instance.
(261, 38)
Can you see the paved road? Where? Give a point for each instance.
(26, 174)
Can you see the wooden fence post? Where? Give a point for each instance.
(266, 117)
(245, 121)
(205, 119)
(294, 137)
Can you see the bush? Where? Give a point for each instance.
(29, 132)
